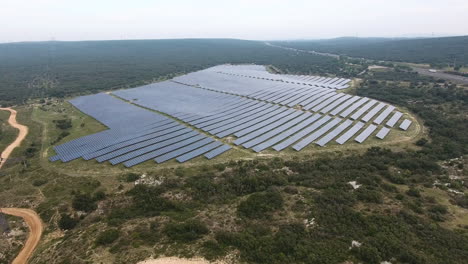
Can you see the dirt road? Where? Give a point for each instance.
(35, 232)
(30, 217)
(23, 131)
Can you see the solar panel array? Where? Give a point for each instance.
(135, 135)
(245, 105)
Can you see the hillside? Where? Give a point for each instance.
(43, 69)
(425, 50)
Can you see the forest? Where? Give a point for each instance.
(438, 52)
(60, 69)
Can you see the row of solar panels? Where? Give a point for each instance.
(152, 136)
(254, 122)
(259, 71)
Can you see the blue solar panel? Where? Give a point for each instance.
(161, 151)
(351, 132)
(396, 116)
(405, 124)
(183, 150)
(366, 133)
(382, 133)
(301, 133)
(307, 140)
(197, 152)
(373, 112)
(335, 132)
(380, 118)
(286, 133)
(217, 151)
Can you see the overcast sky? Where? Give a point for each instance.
(37, 20)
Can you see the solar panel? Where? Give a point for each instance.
(217, 151)
(265, 129)
(335, 104)
(366, 133)
(345, 104)
(286, 133)
(326, 102)
(161, 151)
(265, 123)
(148, 149)
(405, 124)
(353, 107)
(382, 133)
(396, 116)
(363, 109)
(380, 118)
(351, 132)
(306, 141)
(301, 133)
(373, 112)
(335, 132)
(183, 150)
(197, 152)
(276, 131)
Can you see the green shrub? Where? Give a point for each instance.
(187, 231)
(66, 222)
(107, 237)
(260, 205)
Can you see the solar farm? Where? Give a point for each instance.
(210, 112)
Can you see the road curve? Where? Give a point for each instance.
(30, 217)
(35, 232)
(23, 131)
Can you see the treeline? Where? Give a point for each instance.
(58, 69)
(435, 51)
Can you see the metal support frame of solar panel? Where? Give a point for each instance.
(366, 133)
(125, 147)
(161, 151)
(380, 118)
(243, 124)
(276, 131)
(309, 139)
(394, 119)
(350, 133)
(373, 112)
(258, 125)
(268, 127)
(334, 133)
(218, 151)
(183, 150)
(345, 104)
(382, 133)
(270, 142)
(304, 132)
(405, 124)
(353, 107)
(363, 109)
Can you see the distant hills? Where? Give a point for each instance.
(435, 51)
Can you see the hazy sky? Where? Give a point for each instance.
(32, 20)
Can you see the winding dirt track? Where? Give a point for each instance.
(23, 131)
(30, 217)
